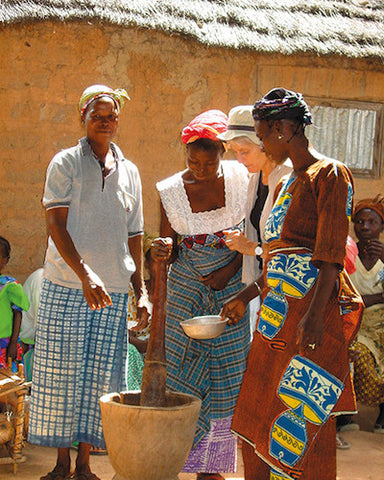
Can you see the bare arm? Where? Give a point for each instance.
(94, 290)
(142, 303)
(373, 299)
(310, 329)
(12, 346)
(161, 248)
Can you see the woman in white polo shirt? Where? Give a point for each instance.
(94, 216)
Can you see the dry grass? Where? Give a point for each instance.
(352, 28)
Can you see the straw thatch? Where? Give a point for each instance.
(352, 28)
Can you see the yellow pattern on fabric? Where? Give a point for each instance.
(287, 440)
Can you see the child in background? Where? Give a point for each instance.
(12, 301)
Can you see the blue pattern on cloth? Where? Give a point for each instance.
(210, 369)
(349, 202)
(311, 393)
(276, 218)
(289, 275)
(79, 356)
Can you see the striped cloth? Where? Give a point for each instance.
(210, 369)
(79, 356)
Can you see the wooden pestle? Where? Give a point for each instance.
(155, 368)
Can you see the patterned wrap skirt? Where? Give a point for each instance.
(287, 396)
(79, 356)
(209, 369)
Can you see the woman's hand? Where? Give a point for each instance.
(94, 290)
(218, 279)
(375, 248)
(143, 312)
(12, 350)
(310, 331)
(161, 248)
(234, 309)
(236, 240)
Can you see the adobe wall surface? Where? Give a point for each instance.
(46, 66)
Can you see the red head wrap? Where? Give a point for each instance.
(376, 204)
(208, 124)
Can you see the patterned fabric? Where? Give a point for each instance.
(217, 452)
(308, 225)
(134, 368)
(281, 103)
(216, 240)
(79, 356)
(368, 384)
(376, 204)
(371, 333)
(208, 124)
(97, 91)
(210, 369)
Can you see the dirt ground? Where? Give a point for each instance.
(363, 461)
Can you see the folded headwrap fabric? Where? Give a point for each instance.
(208, 124)
(97, 91)
(280, 103)
(376, 204)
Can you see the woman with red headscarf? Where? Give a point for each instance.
(197, 204)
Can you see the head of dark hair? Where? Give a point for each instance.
(207, 145)
(6, 247)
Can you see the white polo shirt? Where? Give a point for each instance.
(102, 215)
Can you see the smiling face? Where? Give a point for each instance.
(101, 120)
(203, 165)
(248, 153)
(368, 225)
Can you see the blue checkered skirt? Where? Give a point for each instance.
(79, 356)
(210, 369)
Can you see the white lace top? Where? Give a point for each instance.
(178, 209)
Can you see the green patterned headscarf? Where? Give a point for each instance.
(97, 91)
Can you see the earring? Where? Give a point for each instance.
(280, 136)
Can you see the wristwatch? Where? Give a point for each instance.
(258, 250)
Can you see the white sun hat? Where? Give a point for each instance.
(240, 124)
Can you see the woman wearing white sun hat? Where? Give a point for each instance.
(264, 176)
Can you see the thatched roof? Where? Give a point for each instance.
(352, 28)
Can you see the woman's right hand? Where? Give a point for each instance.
(94, 290)
(234, 309)
(161, 248)
(236, 240)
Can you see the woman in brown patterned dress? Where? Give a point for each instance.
(298, 374)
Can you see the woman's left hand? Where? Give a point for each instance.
(12, 350)
(310, 331)
(218, 279)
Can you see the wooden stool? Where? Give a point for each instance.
(12, 383)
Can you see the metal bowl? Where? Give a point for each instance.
(203, 328)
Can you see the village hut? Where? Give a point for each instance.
(177, 58)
